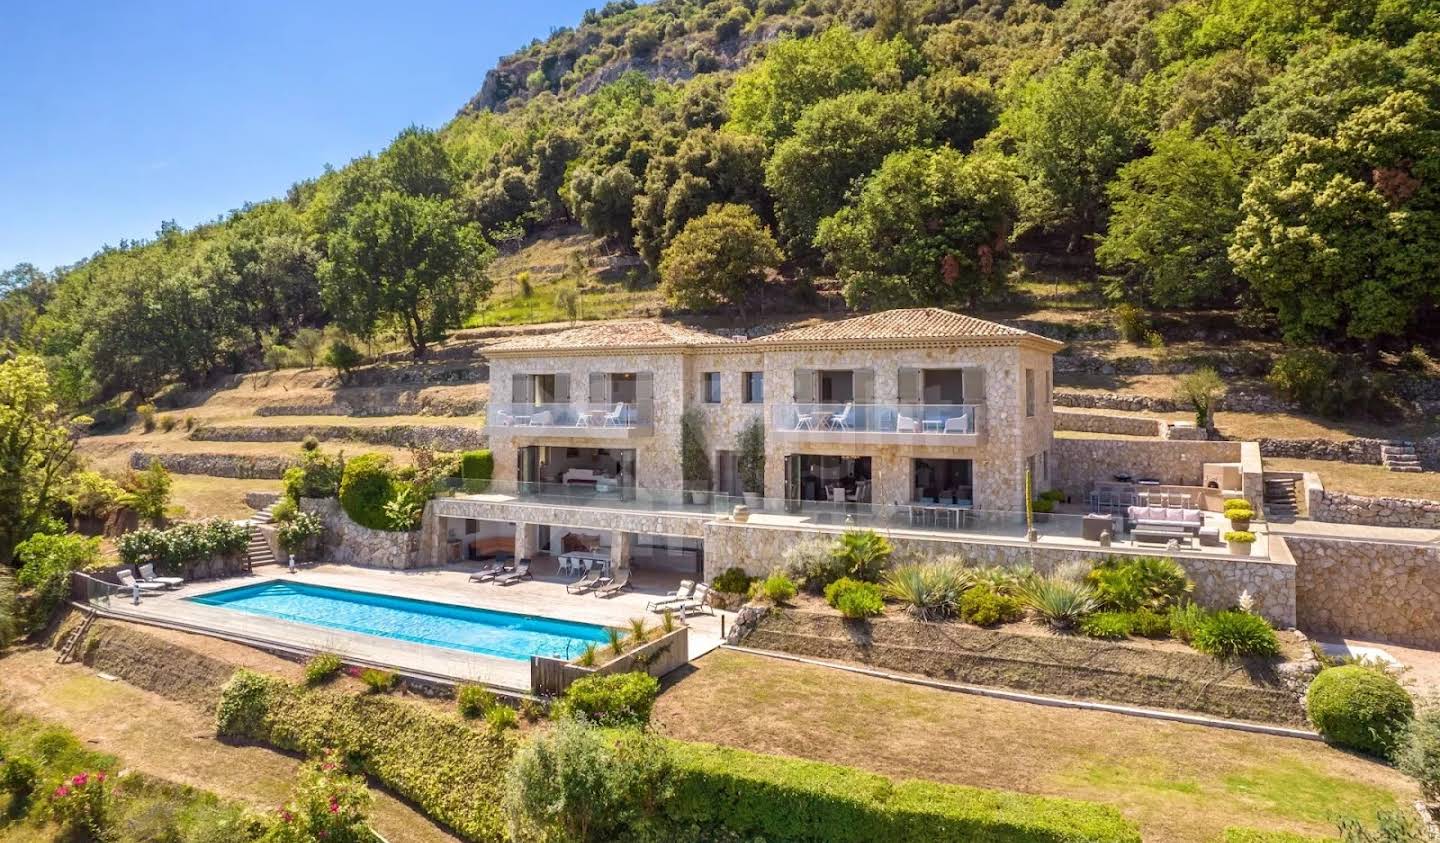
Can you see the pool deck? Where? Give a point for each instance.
(544, 596)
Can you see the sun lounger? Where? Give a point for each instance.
(127, 580)
(147, 574)
(592, 579)
(699, 603)
(521, 572)
(615, 586)
(675, 598)
(490, 572)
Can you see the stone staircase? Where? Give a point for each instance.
(257, 552)
(1280, 502)
(1398, 455)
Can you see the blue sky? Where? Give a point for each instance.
(115, 116)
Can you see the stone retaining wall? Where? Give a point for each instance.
(348, 543)
(235, 466)
(422, 406)
(1345, 508)
(1132, 673)
(1235, 402)
(1101, 423)
(260, 500)
(1368, 590)
(437, 437)
(759, 549)
(1359, 451)
(1080, 462)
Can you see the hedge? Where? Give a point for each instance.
(365, 487)
(477, 465)
(170, 549)
(1359, 708)
(788, 799)
(453, 773)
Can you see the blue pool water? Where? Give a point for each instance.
(502, 634)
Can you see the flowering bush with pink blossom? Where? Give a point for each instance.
(81, 804)
(328, 804)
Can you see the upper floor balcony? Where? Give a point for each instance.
(961, 425)
(573, 420)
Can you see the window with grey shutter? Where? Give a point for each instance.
(599, 388)
(520, 389)
(907, 385)
(562, 388)
(974, 386)
(806, 386)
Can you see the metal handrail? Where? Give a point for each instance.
(98, 592)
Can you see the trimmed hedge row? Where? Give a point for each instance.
(788, 799)
(453, 773)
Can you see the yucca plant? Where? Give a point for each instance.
(638, 633)
(932, 591)
(1060, 603)
(1003, 579)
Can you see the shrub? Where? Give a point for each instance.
(750, 463)
(1001, 578)
(778, 588)
(1240, 514)
(1185, 619)
(1108, 625)
(321, 668)
(1360, 709)
(147, 416)
(732, 581)
(811, 563)
(18, 777)
(1240, 536)
(1059, 602)
(294, 532)
(366, 485)
(578, 783)
(1131, 322)
(168, 423)
(931, 590)
(615, 699)
(473, 700)
(1236, 503)
(317, 476)
(1329, 384)
(476, 467)
(9, 611)
(379, 681)
(983, 606)
(862, 554)
(753, 796)
(148, 492)
(343, 358)
(326, 804)
(81, 805)
(854, 599)
(1230, 634)
(283, 510)
(1149, 624)
(1124, 584)
(46, 562)
(501, 717)
(169, 550)
(1419, 754)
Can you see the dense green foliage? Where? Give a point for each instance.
(1127, 583)
(46, 562)
(614, 699)
(1360, 708)
(982, 605)
(36, 444)
(855, 599)
(367, 485)
(1419, 753)
(1230, 634)
(477, 465)
(169, 550)
(719, 258)
(317, 476)
(732, 580)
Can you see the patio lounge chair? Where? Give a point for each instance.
(521, 572)
(616, 585)
(958, 424)
(699, 603)
(616, 417)
(675, 598)
(906, 424)
(147, 574)
(491, 571)
(544, 418)
(845, 419)
(592, 579)
(127, 580)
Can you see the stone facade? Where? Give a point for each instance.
(1082, 461)
(1219, 580)
(1102, 423)
(437, 437)
(1371, 590)
(348, 543)
(1345, 508)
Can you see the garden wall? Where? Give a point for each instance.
(1080, 462)
(1103, 423)
(759, 549)
(1345, 508)
(1136, 674)
(1389, 592)
(437, 437)
(552, 676)
(348, 543)
(235, 466)
(1359, 451)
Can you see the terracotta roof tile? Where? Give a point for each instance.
(634, 334)
(913, 323)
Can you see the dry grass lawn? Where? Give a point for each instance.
(173, 741)
(1364, 479)
(204, 497)
(1180, 783)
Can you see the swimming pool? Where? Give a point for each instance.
(503, 634)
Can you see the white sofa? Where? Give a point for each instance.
(1166, 518)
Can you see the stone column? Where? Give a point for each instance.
(527, 540)
(621, 546)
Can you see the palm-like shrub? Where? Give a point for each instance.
(1003, 579)
(863, 554)
(931, 591)
(1060, 602)
(1124, 584)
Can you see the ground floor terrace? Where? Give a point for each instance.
(542, 596)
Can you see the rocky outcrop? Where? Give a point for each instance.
(437, 437)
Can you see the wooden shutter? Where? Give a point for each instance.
(863, 381)
(907, 385)
(520, 389)
(562, 388)
(599, 388)
(974, 386)
(644, 386)
(807, 386)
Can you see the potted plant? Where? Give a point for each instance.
(751, 461)
(694, 458)
(1239, 512)
(1239, 541)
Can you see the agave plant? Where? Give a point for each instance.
(1060, 603)
(932, 591)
